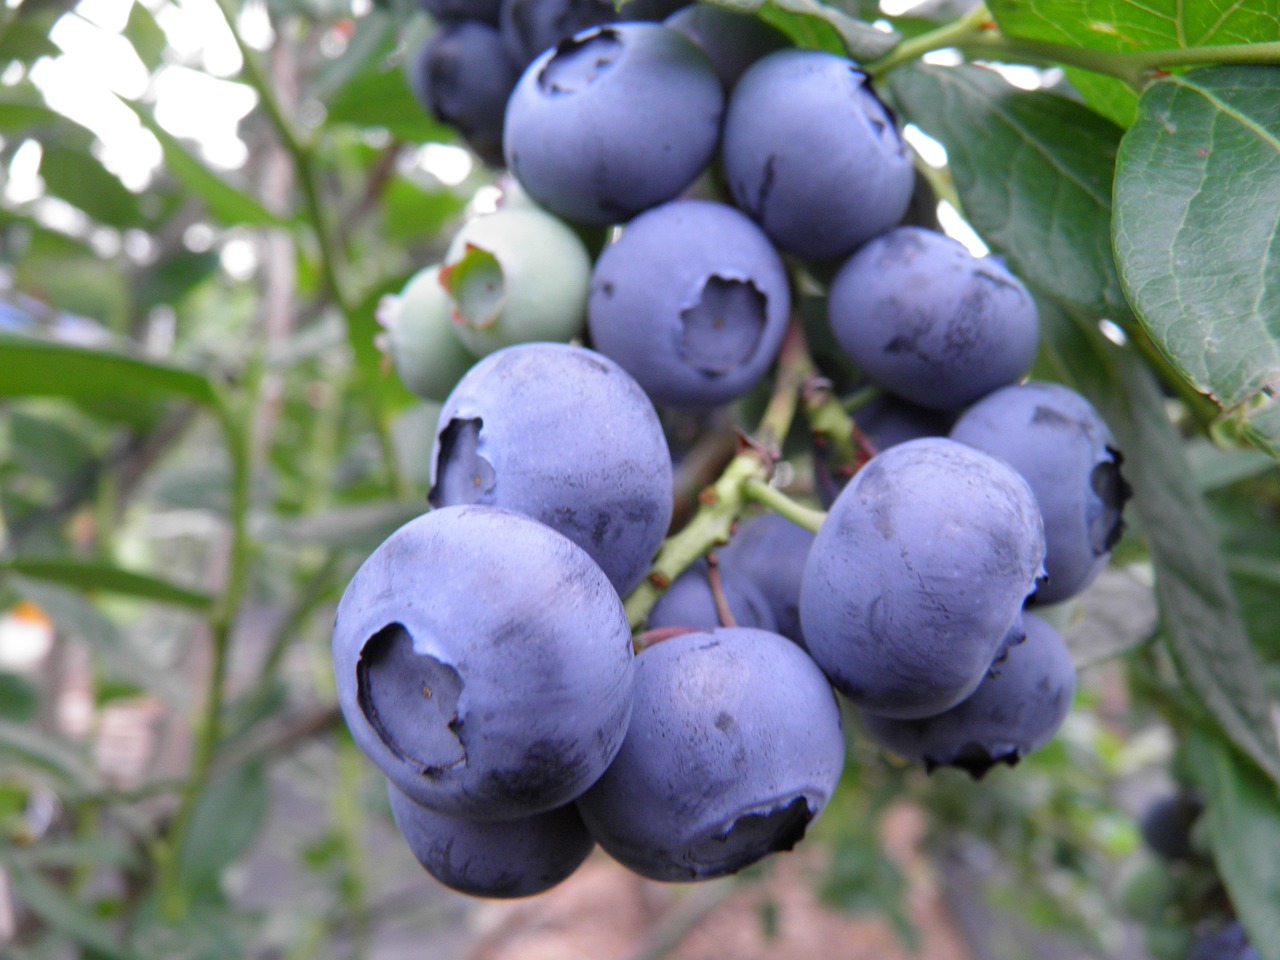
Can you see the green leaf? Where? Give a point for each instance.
(1128, 25)
(808, 22)
(1197, 233)
(146, 35)
(1033, 171)
(78, 178)
(382, 98)
(1244, 834)
(224, 201)
(53, 755)
(63, 913)
(1201, 619)
(226, 818)
(1111, 97)
(358, 528)
(1134, 25)
(19, 699)
(95, 576)
(31, 367)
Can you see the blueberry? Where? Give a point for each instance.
(770, 551)
(693, 300)
(1015, 710)
(1061, 446)
(531, 26)
(886, 422)
(497, 859)
(1227, 942)
(931, 322)
(689, 601)
(732, 41)
(462, 75)
(428, 357)
(1166, 825)
(486, 10)
(734, 746)
(812, 154)
(613, 121)
(484, 664)
(515, 276)
(918, 575)
(564, 435)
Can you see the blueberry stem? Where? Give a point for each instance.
(769, 496)
(723, 502)
(976, 35)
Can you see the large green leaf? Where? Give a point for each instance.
(1244, 834)
(808, 22)
(1200, 616)
(225, 202)
(1197, 233)
(96, 576)
(1034, 174)
(226, 818)
(40, 368)
(1124, 25)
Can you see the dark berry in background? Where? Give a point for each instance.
(916, 579)
(1166, 825)
(484, 664)
(693, 300)
(486, 10)
(813, 156)
(461, 74)
(613, 121)
(735, 744)
(531, 26)
(930, 322)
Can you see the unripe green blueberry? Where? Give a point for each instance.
(427, 355)
(517, 275)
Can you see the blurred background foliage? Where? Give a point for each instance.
(203, 201)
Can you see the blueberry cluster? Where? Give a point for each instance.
(484, 654)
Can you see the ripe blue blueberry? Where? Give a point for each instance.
(812, 154)
(931, 322)
(732, 41)
(564, 435)
(613, 121)
(462, 75)
(918, 575)
(770, 552)
(735, 744)
(1015, 710)
(532, 26)
(484, 664)
(500, 859)
(690, 602)
(1062, 447)
(692, 300)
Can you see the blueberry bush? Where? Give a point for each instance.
(540, 436)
